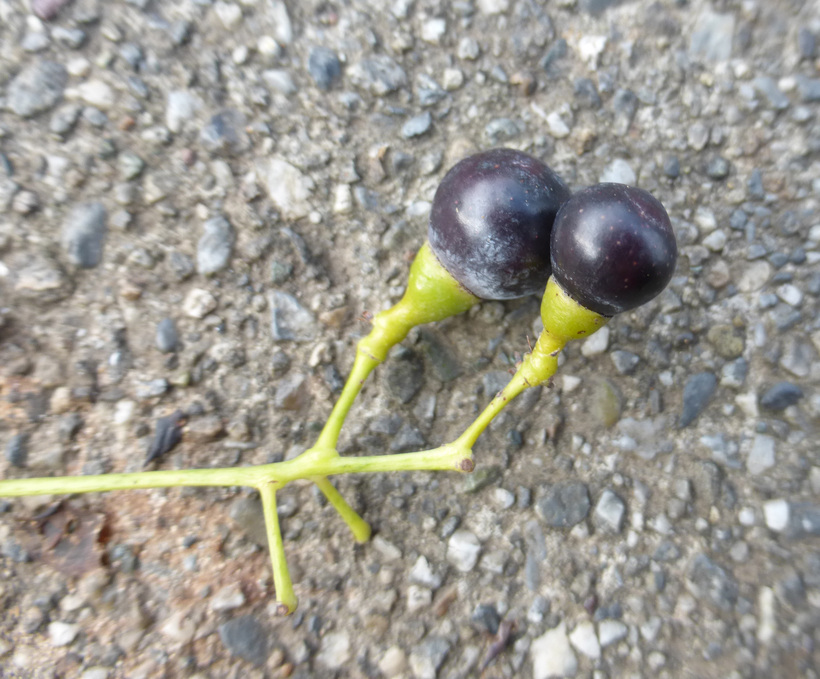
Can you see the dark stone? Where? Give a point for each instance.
(564, 504)
(167, 336)
(557, 51)
(17, 450)
(487, 618)
(324, 67)
(408, 438)
(671, 167)
(755, 188)
(718, 168)
(587, 93)
(443, 358)
(70, 425)
(697, 392)
(714, 583)
(625, 361)
(404, 376)
(83, 234)
(780, 396)
(167, 434)
(806, 43)
(225, 133)
(246, 638)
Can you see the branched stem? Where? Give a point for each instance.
(285, 596)
(358, 526)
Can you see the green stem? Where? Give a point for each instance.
(358, 526)
(362, 367)
(310, 465)
(285, 596)
(233, 476)
(536, 368)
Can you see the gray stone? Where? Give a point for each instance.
(809, 89)
(718, 168)
(762, 454)
(215, 247)
(625, 362)
(290, 392)
(167, 336)
(625, 105)
(180, 108)
(417, 125)
(428, 91)
(713, 583)
(769, 89)
(17, 450)
(224, 134)
(83, 234)
(806, 43)
(501, 129)
(429, 656)
(780, 396)
(130, 165)
(249, 517)
(380, 74)
(39, 279)
(442, 357)
(712, 37)
(798, 357)
(289, 319)
(324, 67)
(697, 392)
(245, 637)
(181, 265)
(288, 188)
(733, 374)
(404, 376)
(609, 512)
(37, 88)
(618, 171)
(564, 504)
(586, 93)
(671, 167)
(408, 438)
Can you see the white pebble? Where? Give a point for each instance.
(388, 550)
(552, 655)
(570, 383)
(777, 514)
(611, 631)
(705, 219)
(62, 633)
(418, 598)
(453, 79)
(432, 30)
(198, 303)
(715, 241)
(584, 640)
(462, 550)
(618, 172)
(503, 498)
(556, 125)
(597, 343)
(590, 48)
(790, 294)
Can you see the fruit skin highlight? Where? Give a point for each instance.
(613, 248)
(491, 221)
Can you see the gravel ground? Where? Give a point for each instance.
(198, 200)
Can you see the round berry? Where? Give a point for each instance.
(613, 248)
(491, 221)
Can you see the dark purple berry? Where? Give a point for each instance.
(613, 248)
(491, 220)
